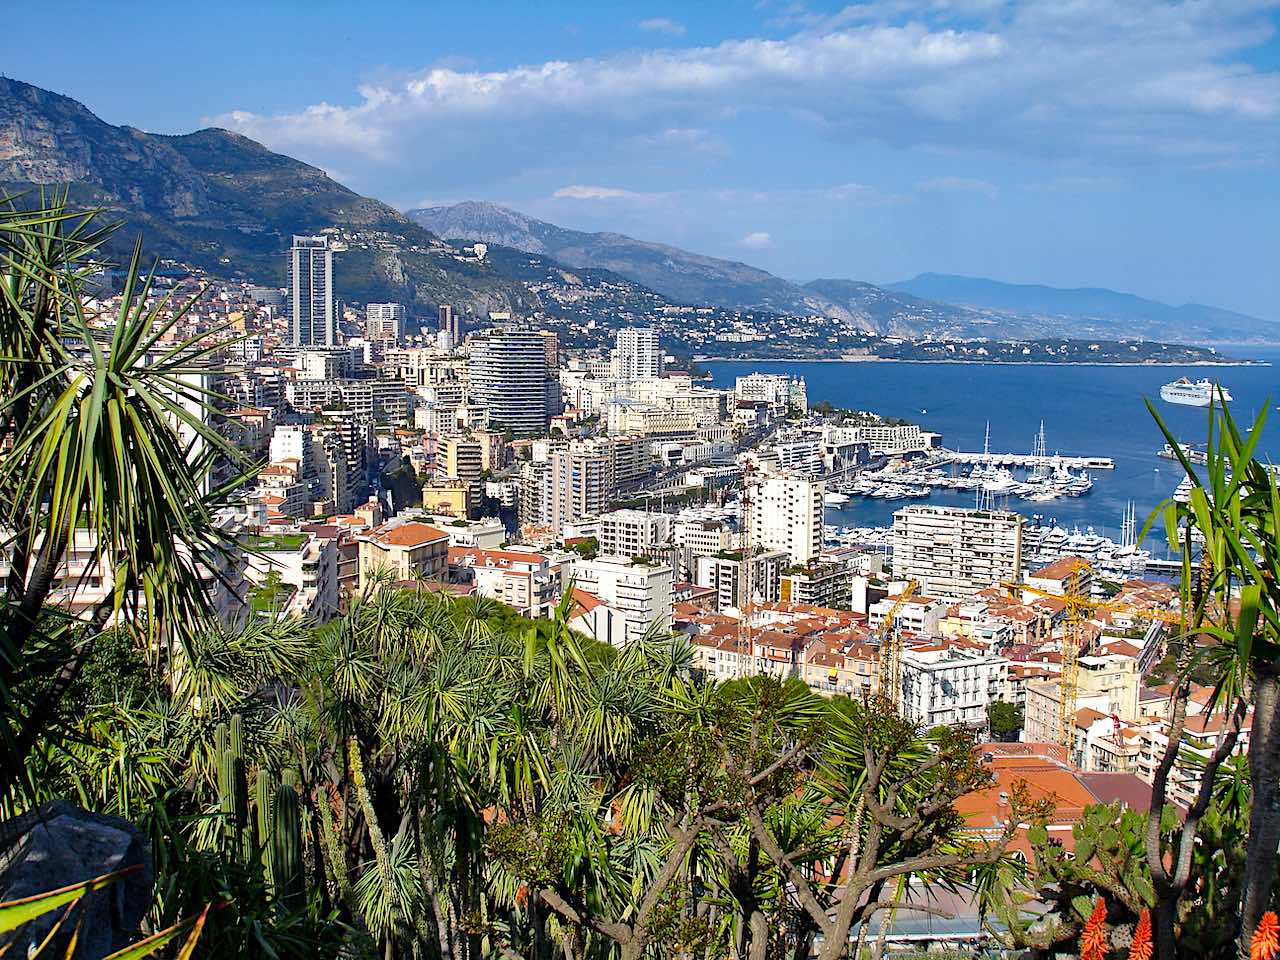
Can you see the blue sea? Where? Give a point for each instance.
(1086, 410)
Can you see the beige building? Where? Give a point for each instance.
(449, 498)
(953, 552)
(409, 551)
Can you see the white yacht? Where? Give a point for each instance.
(1189, 394)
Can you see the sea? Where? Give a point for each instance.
(1086, 410)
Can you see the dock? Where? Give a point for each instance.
(1026, 461)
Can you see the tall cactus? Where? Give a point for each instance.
(233, 787)
(262, 791)
(286, 846)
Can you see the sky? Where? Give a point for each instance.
(1131, 144)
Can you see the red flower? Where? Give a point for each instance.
(1141, 948)
(1093, 944)
(1265, 944)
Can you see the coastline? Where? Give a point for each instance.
(992, 363)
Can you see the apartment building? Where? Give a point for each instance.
(723, 573)
(525, 581)
(634, 597)
(953, 552)
(633, 533)
(787, 514)
(636, 354)
(408, 551)
(950, 686)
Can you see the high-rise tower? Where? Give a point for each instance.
(311, 308)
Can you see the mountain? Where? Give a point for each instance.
(679, 275)
(1094, 309)
(222, 202)
(899, 314)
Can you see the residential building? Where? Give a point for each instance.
(822, 585)
(524, 580)
(696, 537)
(509, 376)
(787, 514)
(451, 325)
(450, 498)
(311, 304)
(723, 573)
(636, 354)
(953, 552)
(580, 485)
(917, 615)
(635, 596)
(408, 551)
(633, 533)
(384, 321)
(950, 686)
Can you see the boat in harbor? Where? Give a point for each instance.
(835, 499)
(1193, 394)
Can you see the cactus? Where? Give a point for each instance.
(286, 846)
(262, 822)
(233, 787)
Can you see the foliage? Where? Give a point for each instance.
(1004, 719)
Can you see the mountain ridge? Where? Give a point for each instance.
(1199, 321)
(222, 202)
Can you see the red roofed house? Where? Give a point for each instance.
(409, 551)
(521, 579)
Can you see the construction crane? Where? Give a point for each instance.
(890, 649)
(1080, 607)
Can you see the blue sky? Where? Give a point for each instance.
(1130, 144)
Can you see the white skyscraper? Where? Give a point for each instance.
(787, 514)
(312, 315)
(637, 354)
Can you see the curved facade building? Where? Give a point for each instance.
(509, 376)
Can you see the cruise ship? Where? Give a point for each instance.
(1197, 394)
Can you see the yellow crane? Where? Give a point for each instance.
(890, 649)
(1079, 608)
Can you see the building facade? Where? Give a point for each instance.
(313, 320)
(953, 552)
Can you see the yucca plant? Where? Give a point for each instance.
(109, 435)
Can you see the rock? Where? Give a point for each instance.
(59, 844)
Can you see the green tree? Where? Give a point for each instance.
(1004, 719)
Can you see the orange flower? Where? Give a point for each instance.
(1093, 944)
(522, 896)
(1141, 948)
(1265, 944)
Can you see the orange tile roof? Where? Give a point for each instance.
(408, 535)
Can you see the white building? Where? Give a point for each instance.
(723, 574)
(779, 391)
(787, 514)
(953, 552)
(633, 533)
(384, 321)
(636, 354)
(949, 686)
(636, 595)
(521, 579)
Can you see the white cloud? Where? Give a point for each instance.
(1105, 81)
(580, 192)
(960, 185)
(757, 239)
(662, 25)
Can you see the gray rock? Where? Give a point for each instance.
(59, 844)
